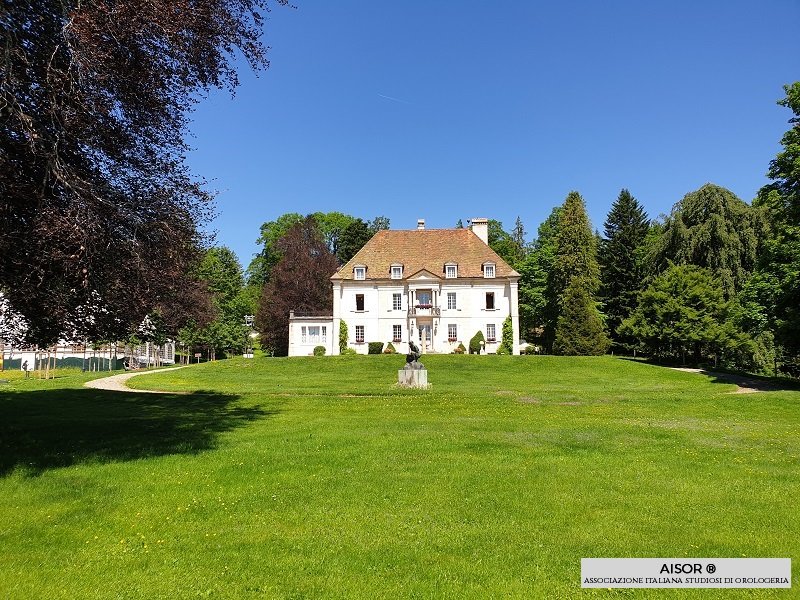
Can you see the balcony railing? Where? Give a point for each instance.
(424, 310)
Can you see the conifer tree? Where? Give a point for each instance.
(580, 330)
(621, 269)
(507, 343)
(575, 265)
(576, 249)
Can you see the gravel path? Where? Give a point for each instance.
(116, 383)
(744, 385)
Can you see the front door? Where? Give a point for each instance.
(425, 342)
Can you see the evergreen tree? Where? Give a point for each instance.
(621, 268)
(580, 330)
(504, 244)
(379, 223)
(576, 249)
(574, 264)
(343, 336)
(507, 342)
(682, 311)
(352, 239)
(518, 233)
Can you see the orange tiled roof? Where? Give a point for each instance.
(429, 249)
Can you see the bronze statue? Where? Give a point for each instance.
(412, 358)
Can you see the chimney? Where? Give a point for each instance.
(420, 224)
(480, 227)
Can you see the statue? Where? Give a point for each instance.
(412, 358)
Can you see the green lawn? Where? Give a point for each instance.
(319, 478)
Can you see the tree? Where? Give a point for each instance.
(504, 244)
(221, 270)
(580, 330)
(379, 223)
(682, 311)
(332, 226)
(621, 267)
(518, 233)
(575, 248)
(352, 239)
(97, 201)
(476, 343)
(300, 282)
(342, 336)
(507, 342)
(784, 169)
(574, 261)
(261, 266)
(779, 263)
(231, 299)
(714, 229)
(538, 306)
(336, 228)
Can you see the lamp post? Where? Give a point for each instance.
(249, 320)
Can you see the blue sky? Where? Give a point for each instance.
(452, 110)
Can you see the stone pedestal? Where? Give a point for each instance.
(416, 378)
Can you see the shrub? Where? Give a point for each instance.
(319, 350)
(343, 337)
(507, 344)
(375, 348)
(460, 349)
(390, 349)
(348, 352)
(475, 343)
(529, 349)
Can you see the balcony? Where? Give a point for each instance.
(424, 310)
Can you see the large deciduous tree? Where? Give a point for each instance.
(538, 307)
(300, 281)
(96, 203)
(714, 229)
(779, 264)
(621, 269)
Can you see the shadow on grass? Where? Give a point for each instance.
(753, 382)
(47, 429)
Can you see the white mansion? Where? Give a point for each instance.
(441, 286)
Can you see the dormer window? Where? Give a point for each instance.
(451, 271)
(397, 271)
(360, 273)
(488, 270)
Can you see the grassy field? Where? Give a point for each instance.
(319, 478)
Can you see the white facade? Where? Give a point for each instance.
(441, 304)
(306, 333)
(439, 313)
